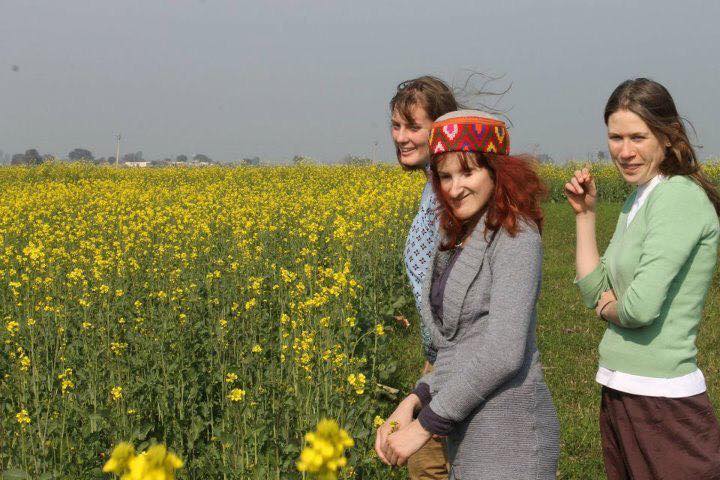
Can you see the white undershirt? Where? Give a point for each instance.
(678, 387)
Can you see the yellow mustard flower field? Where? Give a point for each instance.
(221, 312)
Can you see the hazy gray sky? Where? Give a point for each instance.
(277, 78)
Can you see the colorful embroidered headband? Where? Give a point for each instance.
(469, 131)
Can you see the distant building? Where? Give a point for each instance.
(136, 164)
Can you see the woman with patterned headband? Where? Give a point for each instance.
(486, 393)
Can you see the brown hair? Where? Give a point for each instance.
(652, 102)
(430, 93)
(517, 195)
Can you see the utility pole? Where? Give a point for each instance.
(118, 137)
(374, 151)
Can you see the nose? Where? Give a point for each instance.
(401, 135)
(456, 189)
(626, 151)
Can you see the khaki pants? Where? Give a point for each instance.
(430, 462)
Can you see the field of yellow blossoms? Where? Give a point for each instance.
(222, 312)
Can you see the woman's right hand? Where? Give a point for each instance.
(580, 192)
(401, 417)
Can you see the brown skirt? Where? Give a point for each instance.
(659, 438)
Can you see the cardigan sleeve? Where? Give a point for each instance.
(594, 284)
(500, 352)
(671, 237)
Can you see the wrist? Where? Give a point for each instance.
(586, 216)
(604, 307)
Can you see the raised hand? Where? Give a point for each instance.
(581, 192)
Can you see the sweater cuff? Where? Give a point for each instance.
(592, 286)
(423, 392)
(434, 423)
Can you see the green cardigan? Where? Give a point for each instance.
(660, 268)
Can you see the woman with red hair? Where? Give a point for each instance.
(486, 394)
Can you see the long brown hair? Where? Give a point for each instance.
(652, 102)
(517, 195)
(427, 92)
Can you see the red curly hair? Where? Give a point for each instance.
(518, 193)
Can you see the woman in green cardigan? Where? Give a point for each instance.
(656, 420)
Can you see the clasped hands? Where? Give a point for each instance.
(400, 436)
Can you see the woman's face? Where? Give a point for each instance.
(411, 137)
(636, 151)
(466, 191)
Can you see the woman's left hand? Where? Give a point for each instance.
(606, 297)
(405, 442)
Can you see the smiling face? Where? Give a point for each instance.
(636, 151)
(411, 137)
(467, 191)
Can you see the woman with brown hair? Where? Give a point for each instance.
(414, 107)
(650, 286)
(486, 393)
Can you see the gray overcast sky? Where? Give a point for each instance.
(276, 78)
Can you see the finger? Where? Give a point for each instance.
(576, 185)
(380, 441)
(569, 189)
(401, 461)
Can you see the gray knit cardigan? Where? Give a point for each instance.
(487, 379)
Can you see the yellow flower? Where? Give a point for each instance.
(12, 327)
(119, 459)
(324, 453)
(250, 304)
(24, 363)
(236, 395)
(378, 421)
(66, 385)
(357, 382)
(379, 330)
(230, 377)
(155, 464)
(257, 348)
(116, 393)
(22, 417)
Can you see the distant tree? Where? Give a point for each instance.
(132, 157)
(601, 156)
(356, 160)
(181, 158)
(544, 158)
(81, 154)
(33, 157)
(201, 157)
(111, 160)
(302, 160)
(48, 158)
(252, 161)
(18, 159)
